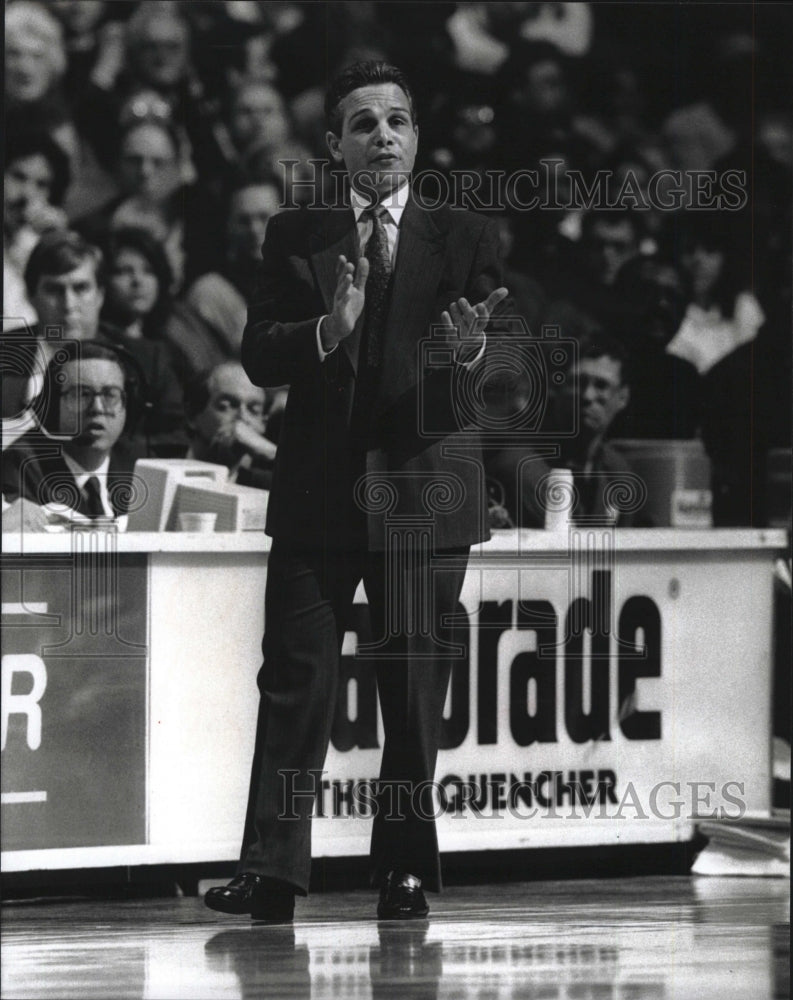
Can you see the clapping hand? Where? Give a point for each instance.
(348, 301)
(469, 322)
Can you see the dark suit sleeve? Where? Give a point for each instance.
(485, 275)
(279, 344)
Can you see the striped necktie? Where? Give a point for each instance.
(377, 284)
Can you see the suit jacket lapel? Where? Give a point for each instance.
(121, 486)
(57, 484)
(337, 235)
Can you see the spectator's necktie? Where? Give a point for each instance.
(379, 257)
(92, 498)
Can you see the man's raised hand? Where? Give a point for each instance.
(348, 301)
(469, 321)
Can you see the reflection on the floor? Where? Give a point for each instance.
(640, 939)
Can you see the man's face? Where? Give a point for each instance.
(251, 209)
(70, 302)
(98, 422)
(28, 68)
(161, 54)
(28, 182)
(147, 167)
(610, 245)
(258, 114)
(378, 139)
(232, 397)
(595, 386)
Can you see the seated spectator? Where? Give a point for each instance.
(74, 466)
(721, 313)
(36, 177)
(209, 327)
(226, 418)
(261, 132)
(35, 62)
(81, 21)
(65, 279)
(718, 334)
(593, 394)
(665, 390)
(257, 116)
(139, 279)
(580, 281)
(181, 217)
(148, 65)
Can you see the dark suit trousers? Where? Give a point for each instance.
(307, 603)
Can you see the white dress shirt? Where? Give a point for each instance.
(394, 204)
(81, 477)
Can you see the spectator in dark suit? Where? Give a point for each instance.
(72, 465)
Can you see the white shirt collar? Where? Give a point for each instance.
(394, 202)
(82, 475)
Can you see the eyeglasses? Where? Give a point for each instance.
(112, 397)
(145, 107)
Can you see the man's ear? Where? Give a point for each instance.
(623, 397)
(334, 145)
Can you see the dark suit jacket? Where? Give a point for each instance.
(33, 468)
(428, 458)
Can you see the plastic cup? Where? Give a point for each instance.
(559, 498)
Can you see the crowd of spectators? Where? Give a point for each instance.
(636, 156)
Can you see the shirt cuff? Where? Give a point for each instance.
(478, 356)
(322, 352)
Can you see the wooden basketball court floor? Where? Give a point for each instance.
(661, 938)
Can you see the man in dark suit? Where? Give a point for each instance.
(72, 467)
(376, 478)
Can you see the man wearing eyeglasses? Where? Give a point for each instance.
(73, 468)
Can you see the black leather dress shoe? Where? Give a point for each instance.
(401, 898)
(264, 899)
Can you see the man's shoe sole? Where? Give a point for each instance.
(388, 914)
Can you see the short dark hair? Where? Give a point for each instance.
(45, 404)
(20, 145)
(603, 345)
(59, 252)
(363, 74)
